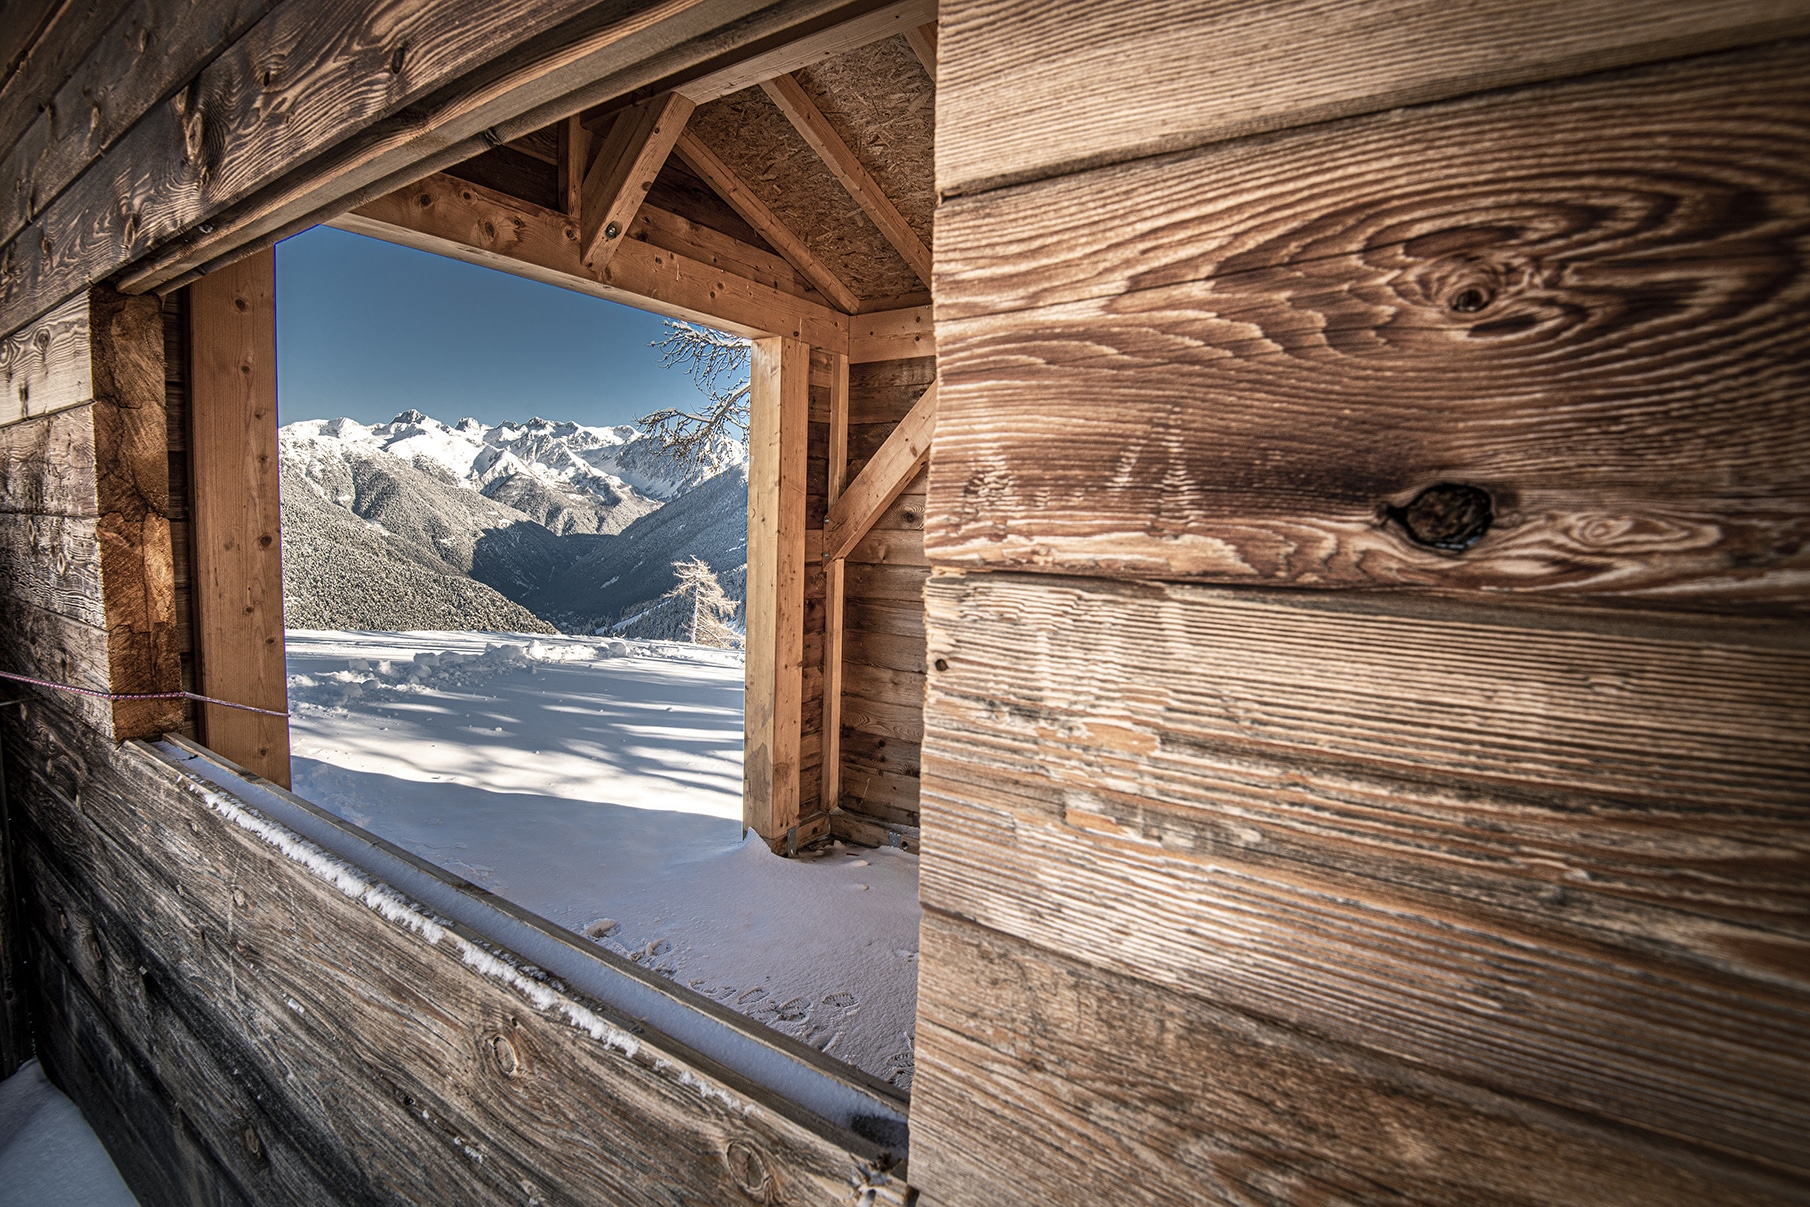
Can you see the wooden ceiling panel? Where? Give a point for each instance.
(880, 101)
(753, 137)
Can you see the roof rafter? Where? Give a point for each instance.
(469, 222)
(922, 39)
(809, 121)
(721, 177)
(618, 179)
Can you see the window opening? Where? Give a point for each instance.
(515, 621)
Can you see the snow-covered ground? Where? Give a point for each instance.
(598, 783)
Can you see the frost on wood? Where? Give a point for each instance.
(382, 899)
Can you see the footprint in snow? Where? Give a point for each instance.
(794, 1010)
(840, 1000)
(753, 995)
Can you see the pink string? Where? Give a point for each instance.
(94, 695)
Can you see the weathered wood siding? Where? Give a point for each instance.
(1368, 730)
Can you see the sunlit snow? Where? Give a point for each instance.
(598, 783)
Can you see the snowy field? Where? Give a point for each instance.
(598, 783)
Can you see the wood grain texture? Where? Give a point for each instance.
(778, 410)
(1555, 853)
(183, 162)
(1244, 364)
(835, 586)
(47, 465)
(757, 214)
(1090, 1086)
(238, 549)
(44, 366)
(132, 526)
(469, 222)
(1028, 90)
(41, 45)
(886, 474)
(150, 50)
(849, 171)
(605, 53)
(800, 52)
(892, 335)
(520, 175)
(386, 1050)
(922, 40)
(627, 160)
(384, 100)
(675, 233)
(147, 1138)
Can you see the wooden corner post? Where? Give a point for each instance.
(778, 427)
(238, 537)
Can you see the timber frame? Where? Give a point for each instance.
(1343, 664)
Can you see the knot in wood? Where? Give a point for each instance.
(503, 1054)
(1448, 516)
(749, 1171)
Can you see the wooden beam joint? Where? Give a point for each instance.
(618, 179)
(882, 479)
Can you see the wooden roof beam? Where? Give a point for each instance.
(836, 155)
(469, 222)
(618, 179)
(922, 39)
(802, 52)
(721, 177)
(882, 479)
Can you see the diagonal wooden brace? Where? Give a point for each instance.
(881, 480)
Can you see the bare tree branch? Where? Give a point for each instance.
(718, 364)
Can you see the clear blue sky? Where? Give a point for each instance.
(367, 329)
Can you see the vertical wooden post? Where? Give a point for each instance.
(833, 590)
(778, 429)
(238, 539)
(574, 158)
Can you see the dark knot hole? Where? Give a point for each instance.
(1448, 516)
(1469, 301)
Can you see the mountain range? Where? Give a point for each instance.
(536, 526)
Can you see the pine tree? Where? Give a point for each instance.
(711, 608)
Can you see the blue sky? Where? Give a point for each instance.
(367, 329)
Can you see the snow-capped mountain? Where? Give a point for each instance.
(567, 476)
(419, 524)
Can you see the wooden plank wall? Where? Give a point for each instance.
(883, 623)
(1368, 724)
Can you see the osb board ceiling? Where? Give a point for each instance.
(754, 138)
(881, 103)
